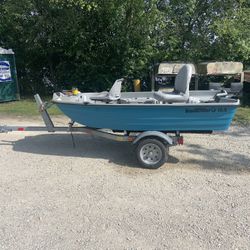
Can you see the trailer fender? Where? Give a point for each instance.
(163, 137)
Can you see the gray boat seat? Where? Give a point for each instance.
(181, 87)
(113, 95)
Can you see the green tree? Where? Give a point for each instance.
(61, 43)
(205, 30)
(232, 37)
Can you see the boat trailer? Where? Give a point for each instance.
(151, 147)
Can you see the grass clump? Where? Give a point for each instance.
(25, 107)
(242, 116)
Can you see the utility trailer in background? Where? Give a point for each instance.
(233, 71)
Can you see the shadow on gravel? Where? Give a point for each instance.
(217, 159)
(121, 153)
(238, 131)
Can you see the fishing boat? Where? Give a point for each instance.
(180, 110)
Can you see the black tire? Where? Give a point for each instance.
(151, 158)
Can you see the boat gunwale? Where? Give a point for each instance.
(237, 103)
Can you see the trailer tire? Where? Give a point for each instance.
(151, 153)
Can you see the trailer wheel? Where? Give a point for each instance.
(151, 153)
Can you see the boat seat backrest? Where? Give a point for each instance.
(115, 91)
(113, 95)
(182, 80)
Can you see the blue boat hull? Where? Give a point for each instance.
(152, 117)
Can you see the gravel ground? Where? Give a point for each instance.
(53, 196)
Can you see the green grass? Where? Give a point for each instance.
(25, 107)
(242, 115)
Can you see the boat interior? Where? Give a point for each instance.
(181, 94)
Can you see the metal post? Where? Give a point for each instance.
(196, 82)
(242, 77)
(152, 74)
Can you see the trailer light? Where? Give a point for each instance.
(180, 140)
(130, 139)
(20, 129)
